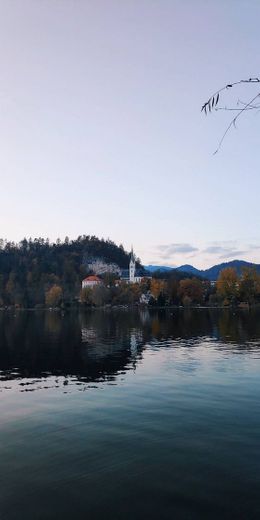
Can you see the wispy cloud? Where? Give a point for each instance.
(253, 247)
(166, 264)
(225, 251)
(167, 250)
(215, 250)
(212, 253)
(233, 254)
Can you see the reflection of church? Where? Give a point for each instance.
(131, 275)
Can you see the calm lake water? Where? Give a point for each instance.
(130, 415)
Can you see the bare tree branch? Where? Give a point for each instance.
(236, 109)
(234, 120)
(214, 100)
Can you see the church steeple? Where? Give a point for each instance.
(132, 258)
(132, 267)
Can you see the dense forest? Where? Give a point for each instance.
(29, 270)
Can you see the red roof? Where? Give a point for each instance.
(92, 278)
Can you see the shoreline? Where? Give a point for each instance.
(129, 308)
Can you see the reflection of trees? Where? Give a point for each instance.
(91, 345)
(52, 324)
(240, 326)
(111, 340)
(224, 324)
(185, 324)
(99, 345)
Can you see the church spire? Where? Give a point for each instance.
(132, 258)
(132, 267)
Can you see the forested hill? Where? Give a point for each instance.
(31, 267)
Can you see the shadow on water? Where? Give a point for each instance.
(97, 346)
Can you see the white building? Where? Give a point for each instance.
(132, 277)
(91, 281)
(129, 276)
(145, 298)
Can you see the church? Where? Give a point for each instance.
(131, 275)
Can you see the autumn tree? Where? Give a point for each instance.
(249, 286)
(53, 296)
(227, 285)
(173, 291)
(157, 287)
(100, 295)
(10, 287)
(86, 296)
(191, 290)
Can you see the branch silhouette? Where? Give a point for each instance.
(213, 101)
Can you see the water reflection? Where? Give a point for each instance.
(163, 407)
(98, 346)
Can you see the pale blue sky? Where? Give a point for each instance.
(101, 131)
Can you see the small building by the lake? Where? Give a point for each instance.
(91, 281)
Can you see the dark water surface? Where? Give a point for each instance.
(118, 415)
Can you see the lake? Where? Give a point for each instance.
(130, 415)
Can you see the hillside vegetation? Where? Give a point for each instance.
(28, 270)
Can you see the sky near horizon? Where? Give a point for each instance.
(101, 131)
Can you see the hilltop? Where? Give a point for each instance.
(28, 269)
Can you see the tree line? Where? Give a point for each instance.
(35, 269)
(230, 289)
(37, 273)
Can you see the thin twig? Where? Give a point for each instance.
(234, 120)
(245, 103)
(235, 109)
(214, 100)
(215, 97)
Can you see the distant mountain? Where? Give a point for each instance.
(189, 269)
(153, 268)
(212, 273)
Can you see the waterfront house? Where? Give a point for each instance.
(91, 281)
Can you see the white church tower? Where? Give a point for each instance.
(132, 267)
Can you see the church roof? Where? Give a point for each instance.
(125, 273)
(92, 278)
